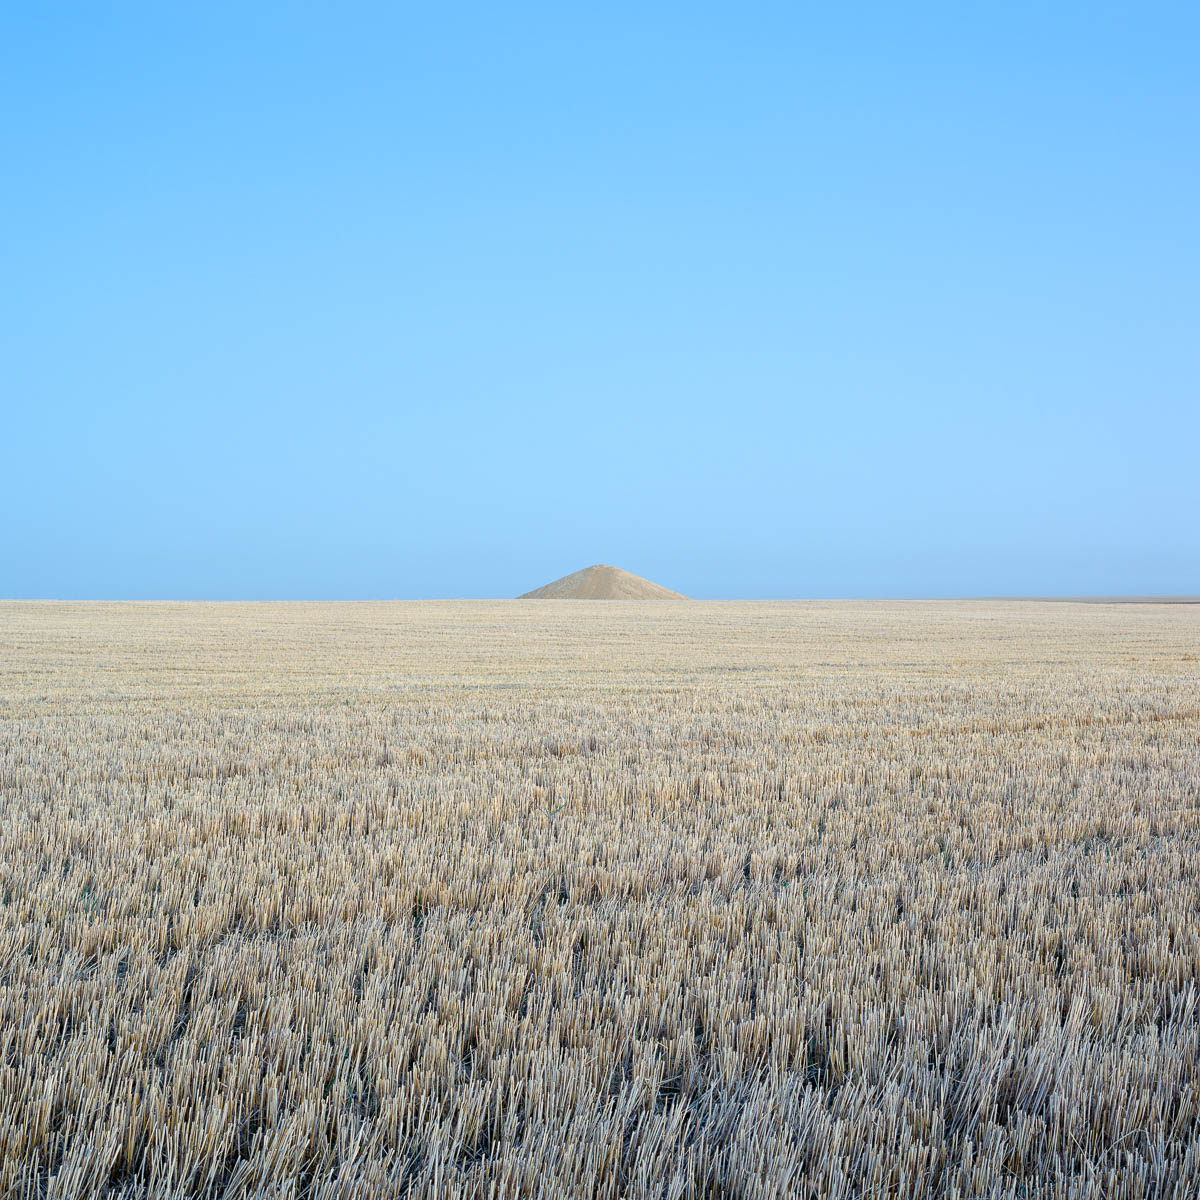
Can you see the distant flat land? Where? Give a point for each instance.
(1126, 599)
(500, 899)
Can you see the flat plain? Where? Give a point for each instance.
(492, 899)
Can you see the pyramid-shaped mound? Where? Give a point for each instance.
(602, 583)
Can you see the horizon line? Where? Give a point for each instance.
(1078, 598)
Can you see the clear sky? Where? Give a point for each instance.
(347, 300)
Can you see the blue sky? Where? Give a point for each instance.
(342, 301)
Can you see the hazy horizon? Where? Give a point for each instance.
(1147, 598)
(377, 303)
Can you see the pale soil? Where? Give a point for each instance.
(602, 583)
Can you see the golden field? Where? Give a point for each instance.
(553, 899)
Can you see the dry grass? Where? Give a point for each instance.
(492, 899)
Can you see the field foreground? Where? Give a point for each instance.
(492, 899)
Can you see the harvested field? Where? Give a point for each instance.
(488, 899)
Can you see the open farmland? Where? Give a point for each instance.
(492, 899)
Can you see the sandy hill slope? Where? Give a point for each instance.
(602, 583)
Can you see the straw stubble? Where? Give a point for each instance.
(491, 899)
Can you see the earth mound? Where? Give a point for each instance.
(602, 582)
